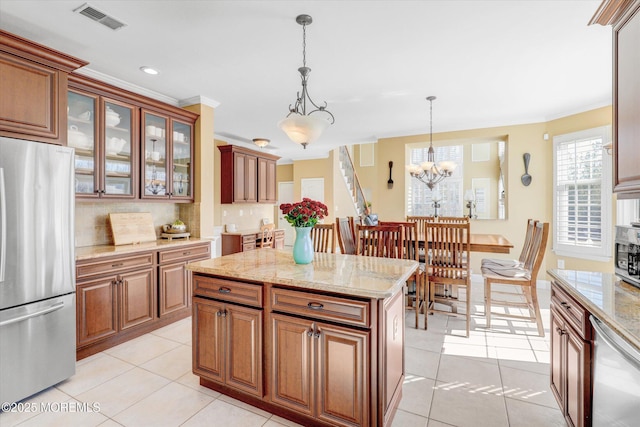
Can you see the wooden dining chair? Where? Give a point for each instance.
(346, 236)
(266, 233)
(410, 250)
(324, 238)
(379, 240)
(448, 265)
(510, 263)
(525, 277)
(453, 219)
(421, 222)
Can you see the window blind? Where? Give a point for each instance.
(582, 194)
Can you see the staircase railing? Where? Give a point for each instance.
(352, 179)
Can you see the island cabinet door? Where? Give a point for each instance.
(244, 348)
(96, 309)
(342, 381)
(292, 363)
(208, 339)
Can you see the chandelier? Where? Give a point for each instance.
(301, 126)
(430, 172)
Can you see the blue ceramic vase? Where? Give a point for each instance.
(303, 246)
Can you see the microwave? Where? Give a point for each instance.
(627, 254)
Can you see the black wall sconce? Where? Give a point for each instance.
(390, 182)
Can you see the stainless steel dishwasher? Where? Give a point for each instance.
(616, 379)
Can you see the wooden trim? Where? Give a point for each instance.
(611, 11)
(41, 54)
(95, 86)
(238, 149)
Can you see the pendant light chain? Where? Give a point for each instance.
(304, 45)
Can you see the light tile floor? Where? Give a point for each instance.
(496, 377)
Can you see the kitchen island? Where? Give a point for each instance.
(319, 344)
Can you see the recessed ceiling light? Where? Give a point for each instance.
(149, 70)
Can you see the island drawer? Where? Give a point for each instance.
(336, 309)
(571, 310)
(228, 290)
(186, 253)
(111, 265)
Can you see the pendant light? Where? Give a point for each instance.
(430, 172)
(300, 125)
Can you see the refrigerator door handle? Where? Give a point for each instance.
(55, 307)
(3, 227)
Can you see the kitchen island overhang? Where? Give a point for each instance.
(320, 344)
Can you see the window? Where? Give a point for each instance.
(420, 199)
(582, 199)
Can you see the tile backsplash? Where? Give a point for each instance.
(92, 221)
(246, 216)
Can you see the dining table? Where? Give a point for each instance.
(481, 242)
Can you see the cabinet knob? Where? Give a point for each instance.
(118, 264)
(560, 331)
(565, 305)
(309, 333)
(224, 313)
(218, 313)
(224, 290)
(316, 334)
(315, 306)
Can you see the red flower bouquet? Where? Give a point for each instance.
(305, 213)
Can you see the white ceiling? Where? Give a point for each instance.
(490, 63)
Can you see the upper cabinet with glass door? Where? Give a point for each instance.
(168, 148)
(103, 132)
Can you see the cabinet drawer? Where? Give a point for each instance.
(228, 290)
(249, 246)
(96, 267)
(574, 313)
(249, 238)
(185, 253)
(336, 309)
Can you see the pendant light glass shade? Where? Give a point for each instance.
(303, 129)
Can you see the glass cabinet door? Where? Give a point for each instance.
(119, 149)
(155, 155)
(81, 135)
(181, 160)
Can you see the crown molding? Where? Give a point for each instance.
(127, 86)
(199, 99)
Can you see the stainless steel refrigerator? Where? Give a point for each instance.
(37, 267)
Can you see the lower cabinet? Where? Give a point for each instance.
(228, 344)
(571, 352)
(108, 305)
(122, 297)
(320, 370)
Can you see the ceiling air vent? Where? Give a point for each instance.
(98, 16)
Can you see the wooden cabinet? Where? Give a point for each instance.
(129, 146)
(104, 133)
(246, 176)
(228, 336)
(174, 281)
(247, 241)
(33, 88)
(110, 303)
(626, 48)
(624, 16)
(266, 180)
(320, 370)
(167, 162)
(571, 351)
(122, 297)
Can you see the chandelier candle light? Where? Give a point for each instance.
(301, 126)
(429, 172)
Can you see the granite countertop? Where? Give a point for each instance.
(614, 302)
(92, 252)
(362, 276)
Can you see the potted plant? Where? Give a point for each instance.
(303, 216)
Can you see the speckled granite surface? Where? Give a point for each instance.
(368, 277)
(611, 300)
(91, 252)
